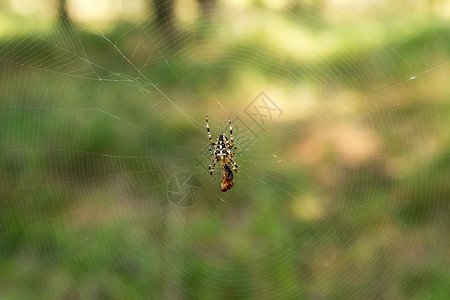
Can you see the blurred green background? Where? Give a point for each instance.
(343, 191)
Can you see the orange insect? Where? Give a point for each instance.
(227, 178)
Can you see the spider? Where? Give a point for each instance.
(222, 153)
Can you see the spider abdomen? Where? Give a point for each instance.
(227, 178)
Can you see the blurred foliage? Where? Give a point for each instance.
(358, 209)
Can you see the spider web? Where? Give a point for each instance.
(341, 114)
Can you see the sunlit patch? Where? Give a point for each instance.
(353, 144)
(308, 208)
(277, 4)
(186, 11)
(30, 7)
(104, 12)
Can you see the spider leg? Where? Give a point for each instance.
(234, 165)
(231, 134)
(210, 151)
(234, 148)
(211, 166)
(232, 143)
(209, 133)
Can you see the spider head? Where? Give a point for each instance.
(223, 137)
